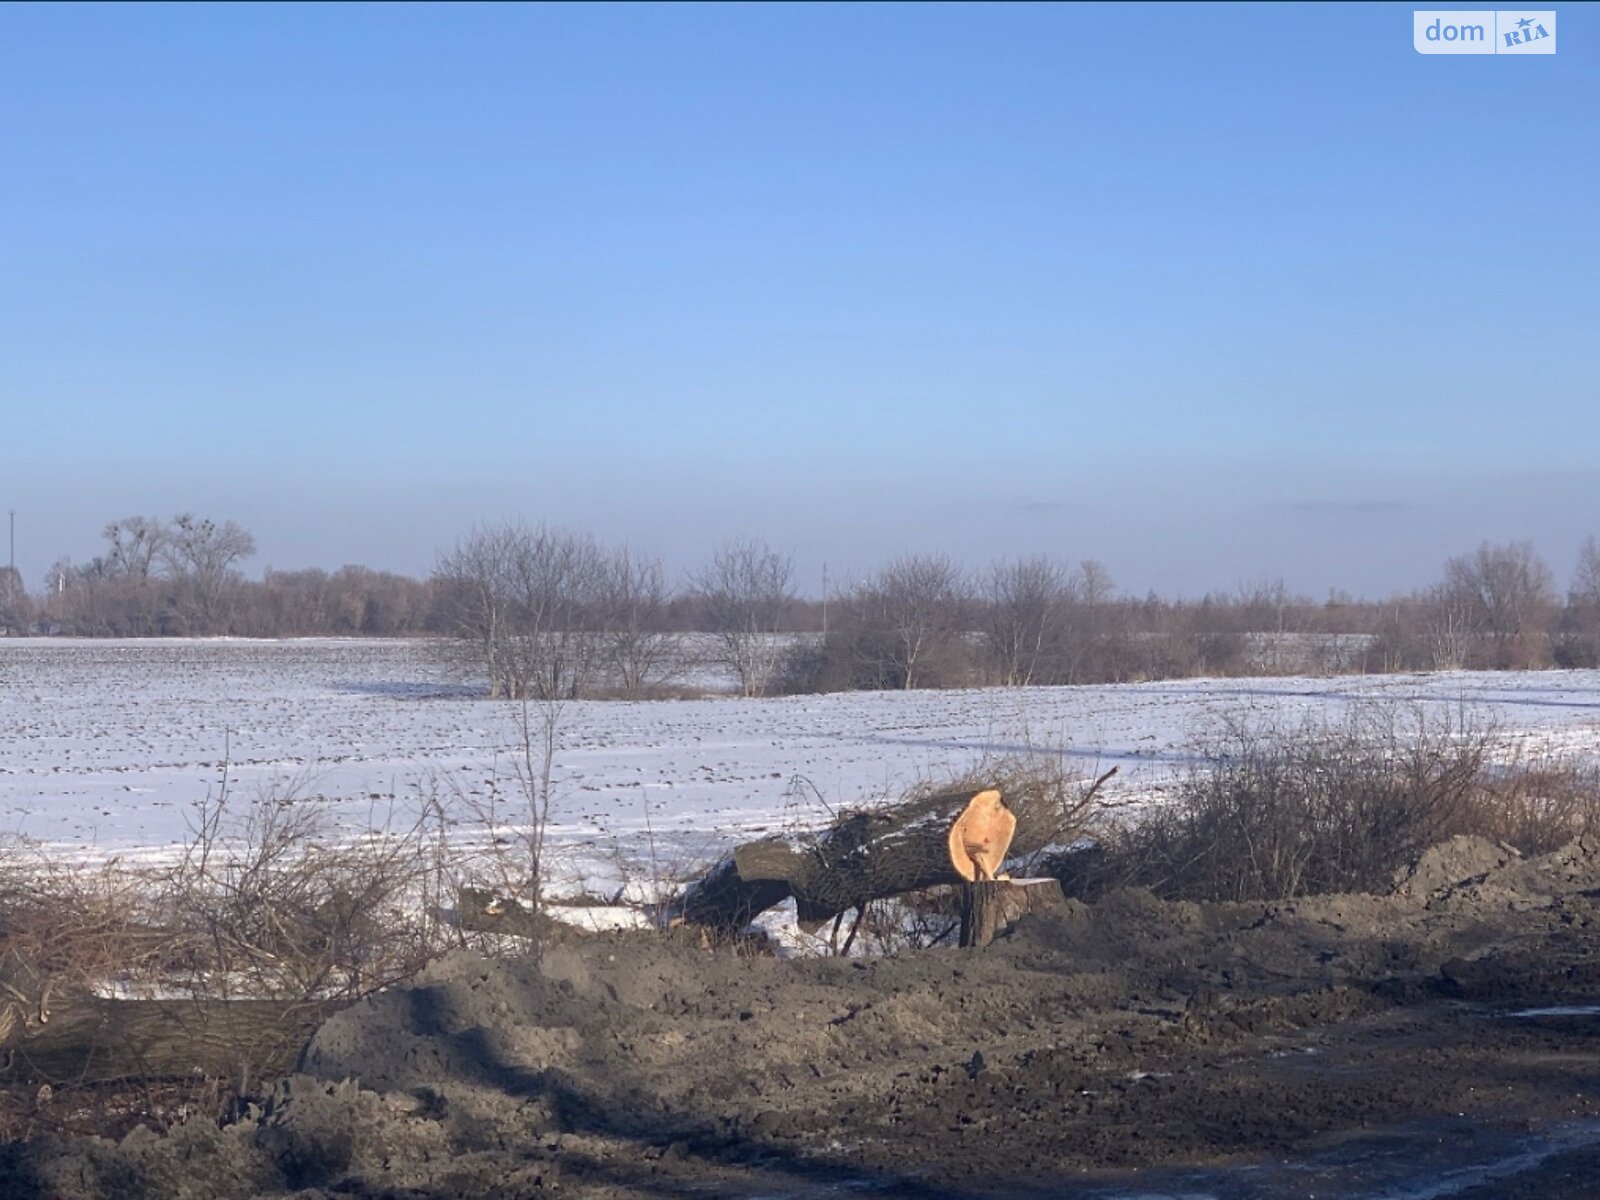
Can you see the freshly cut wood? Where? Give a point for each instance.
(981, 836)
(867, 854)
(990, 907)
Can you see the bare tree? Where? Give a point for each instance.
(137, 546)
(632, 612)
(16, 612)
(156, 578)
(556, 584)
(1091, 595)
(201, 555)
(129, 595)
(1448, 627)
(1508, 597)
(526, 598)
(377, 603)
(919, 602)
(1578, 635)
(308, 601)
(1026, 614)
(476, 595)
(556, 579)
(1586, 576)
(745, 591)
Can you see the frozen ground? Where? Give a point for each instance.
(107, 746)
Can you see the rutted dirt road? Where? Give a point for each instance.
(1341, 1046)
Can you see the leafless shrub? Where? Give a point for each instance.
(1272, 812)
(1534, 802)
(268, 899)
(632, 603)
(809, 665)
(744, 593)
(1026, 620)
(267, 902)
(525, 598)
(78, 923)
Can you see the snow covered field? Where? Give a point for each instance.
(106, 746)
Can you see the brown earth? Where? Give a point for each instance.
(1338, 1046)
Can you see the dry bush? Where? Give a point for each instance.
(1536, 803)
(1269, 812)
(269, 900)
(65, 927)
(75, 923)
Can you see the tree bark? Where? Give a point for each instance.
(991, 907)
(53, 1033)
(92, 1039)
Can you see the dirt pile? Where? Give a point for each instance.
(1450, 864)
(1114, 1036)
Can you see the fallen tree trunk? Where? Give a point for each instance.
(91, 1039)
(868, 854)
(53, 1034)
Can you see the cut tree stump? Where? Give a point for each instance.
(990, 908)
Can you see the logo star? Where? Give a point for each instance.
(1524, 23)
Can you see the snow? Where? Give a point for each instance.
(107, 746)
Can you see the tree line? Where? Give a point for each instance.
(182, 578)
(551, 613)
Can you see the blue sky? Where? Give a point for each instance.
(1210, 293)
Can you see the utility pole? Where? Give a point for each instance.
(13, 539)
(824, 602)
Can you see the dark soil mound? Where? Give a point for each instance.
(1120, 1035)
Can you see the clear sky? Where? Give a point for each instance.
(1210, 293)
